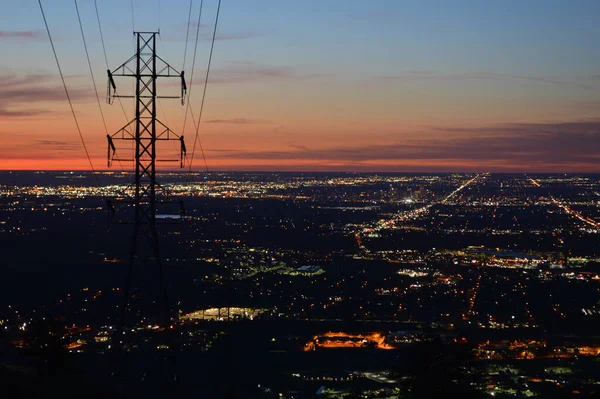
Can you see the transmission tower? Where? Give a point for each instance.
(145, 130)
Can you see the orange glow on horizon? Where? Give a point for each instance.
(296, 165)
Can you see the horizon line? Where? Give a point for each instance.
(108, 171)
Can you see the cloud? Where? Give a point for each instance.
(587, 105)
(232, 36)
(222, 150)
(415, 72)
(238, 121)
(5, 34)
(19, 147)
(538, 146)
(8, 111)
(250, 72)
(19, 92)
(37, 94)
(58, 145)
(52, 142)
(11, 80)
(436, 75)
(299, 147)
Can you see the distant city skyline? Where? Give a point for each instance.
(320, 86)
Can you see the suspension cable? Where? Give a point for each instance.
(197, 127)
(67, 94)
(187, 35)
(87, 54)
(101, 35)
(212, 46)
(105, 56)
(193, 67)
(188, 107)
(132, 17)
(107, 67)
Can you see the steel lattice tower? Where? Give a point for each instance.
(145, 130)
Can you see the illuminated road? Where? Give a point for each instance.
(570, 211)
(458, 190)
(414, 213)
(380, 378)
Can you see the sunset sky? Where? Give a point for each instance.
(317, 85)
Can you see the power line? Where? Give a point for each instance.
(87, 54)
(132, 42)
(188, 107)
(101, 35)
(158, 100)
(193, 68)
(132, 18)
(164, 48)
(199, 140)
(67, 93)
(107, 67)
(187, 35)
(105, 56)
(164, 114)
(212, 46)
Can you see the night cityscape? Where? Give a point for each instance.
(305, 285)
(392, 199)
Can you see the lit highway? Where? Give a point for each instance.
(414, 213)
(570, 211)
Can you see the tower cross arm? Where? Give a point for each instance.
(165, 70)
(162, 69)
